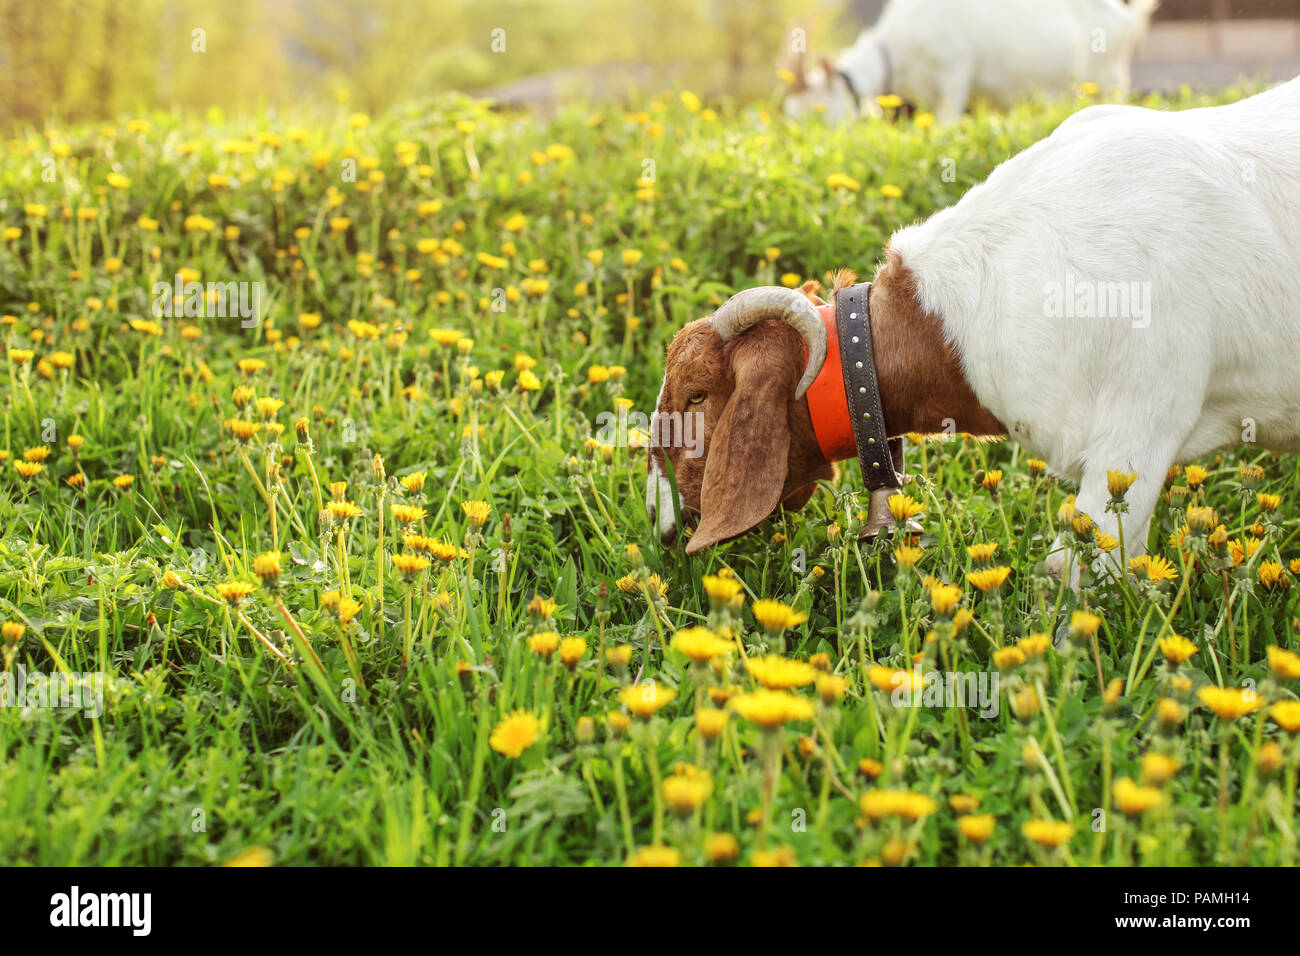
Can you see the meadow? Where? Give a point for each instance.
(364, 572)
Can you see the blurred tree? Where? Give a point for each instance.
(66, 60)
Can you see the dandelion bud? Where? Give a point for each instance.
(267, 567)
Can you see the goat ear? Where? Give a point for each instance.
(745, 472)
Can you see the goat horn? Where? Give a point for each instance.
(746, 309)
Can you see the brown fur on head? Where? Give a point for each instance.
(756, 445)
(755, 449)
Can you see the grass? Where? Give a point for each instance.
(457, 295)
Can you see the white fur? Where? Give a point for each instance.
(658, 492)
(946, 52)
(1204, 205)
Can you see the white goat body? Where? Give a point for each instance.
(1197, 214)
(943, 53)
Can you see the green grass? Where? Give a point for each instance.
(230, 729)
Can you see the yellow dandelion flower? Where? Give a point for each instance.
(1283, 663)
(772, 708)
(902, 507)
(776, 616)
(544, 643)
(977, 827)
(1048, 833)
(476, 511)
(571, 651)
(647, 698)
(1228, 703)
(234, 592)
(515, 734)
(780, 673)
(989, 579)
(701, 644)
(1134, 799)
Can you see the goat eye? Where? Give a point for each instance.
(696, 398)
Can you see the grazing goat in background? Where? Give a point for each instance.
(944, 53)
(1124, 294)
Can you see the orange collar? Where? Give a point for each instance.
(827, 403)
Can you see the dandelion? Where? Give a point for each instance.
(1169, 711)
(988, 579)
(267, 567)
(1048, 833)
(1035, 645)
(1153, 568)
(1195, 475)
(409, 565)
(1008, 658)
(1228, 703)
(944, 599)
(1119, 482)
(645, 700)
(721, 848)
(1286, 714)
(235, 592)
(343, 510)
(701, 644)
(406, 514)
(515, 733)
(982, 553)
(903, 507)
(890, 679)
(1283, 663)
(544, 643)
(571, 651)
(907, 555)
(1084, 624)
(723, 589)
(780, 673)
(772, 708)
(977, 827)
(776, 616)
(476, 511)
(710, 722)
(655, 856)
(1158, 768)
(1272, 576)
(1134, 799)
(12, 631)
(686, 789)
(878, 804)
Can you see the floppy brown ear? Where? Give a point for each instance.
(745, 471)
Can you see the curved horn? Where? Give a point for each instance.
(746, 309)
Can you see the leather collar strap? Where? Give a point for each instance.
(880, 458)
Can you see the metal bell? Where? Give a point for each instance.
(878, 516)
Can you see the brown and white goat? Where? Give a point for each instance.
(1121, 295)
